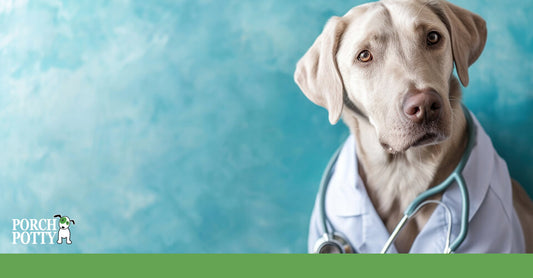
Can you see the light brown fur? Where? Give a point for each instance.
(392, 167)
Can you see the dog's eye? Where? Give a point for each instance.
(365, 56)
(433, 38)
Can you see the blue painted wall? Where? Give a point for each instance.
(175, 126)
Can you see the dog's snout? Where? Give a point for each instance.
(422, 106)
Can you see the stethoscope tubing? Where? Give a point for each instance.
(326, 177)
(412, 208)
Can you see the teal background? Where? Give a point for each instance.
(175, 126)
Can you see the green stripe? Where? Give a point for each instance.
(264, 265)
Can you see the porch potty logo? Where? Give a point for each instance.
(42, 231)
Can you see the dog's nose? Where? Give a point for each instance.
(422, 105)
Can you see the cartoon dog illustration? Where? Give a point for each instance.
(64, 231)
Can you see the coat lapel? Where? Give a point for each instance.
(351, 213)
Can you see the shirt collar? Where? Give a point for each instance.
(344, 196)
(477, 174)
(347, 196)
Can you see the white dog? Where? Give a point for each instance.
(64, 231)
(387, 68)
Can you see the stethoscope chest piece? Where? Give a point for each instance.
(332, 244)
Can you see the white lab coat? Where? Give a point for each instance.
(493, 223)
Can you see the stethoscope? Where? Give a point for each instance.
(333, 242)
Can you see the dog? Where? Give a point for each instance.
(64, 230)
(387, 68)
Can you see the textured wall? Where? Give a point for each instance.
(175, 126)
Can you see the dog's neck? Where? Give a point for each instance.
(394, 180)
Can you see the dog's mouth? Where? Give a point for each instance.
(426, 139)
(397, 140)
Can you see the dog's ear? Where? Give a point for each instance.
(57, 215)
(317, 73)
(468, 33)
(72, 220)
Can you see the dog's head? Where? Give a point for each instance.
(64, 221)
(393, 61)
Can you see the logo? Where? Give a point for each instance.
(42, 231)
(64, 231)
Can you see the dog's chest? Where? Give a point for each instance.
(392, 189)
(64, 232)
